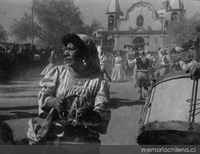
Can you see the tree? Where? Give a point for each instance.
(180, 32)
(195, 19)
(22, 29)
(95, 25)
(52, 20)
(3, 34)
(183, 30)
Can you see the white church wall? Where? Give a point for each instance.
(156, 25)
(121, 41)
(130, 20)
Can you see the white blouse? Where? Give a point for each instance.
(62, 82)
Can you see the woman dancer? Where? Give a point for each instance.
(74, 98)
(118, 73)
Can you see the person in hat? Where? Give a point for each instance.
(74, 97)
(141, 77)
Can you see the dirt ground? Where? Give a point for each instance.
(18, 103)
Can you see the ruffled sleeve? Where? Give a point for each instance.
(48, 84)
(101, 106)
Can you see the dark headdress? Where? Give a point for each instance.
(86, 44)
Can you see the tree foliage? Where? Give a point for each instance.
(3, 34)
(179, 32)
(183, 30)
(195, 19)
(52, 20)
(22, 28)
(95, 25)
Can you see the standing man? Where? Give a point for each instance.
(141, 76)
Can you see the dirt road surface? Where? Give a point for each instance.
(18, 103)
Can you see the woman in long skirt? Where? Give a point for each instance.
(118, 74)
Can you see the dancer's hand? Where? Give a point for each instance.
(54, 102)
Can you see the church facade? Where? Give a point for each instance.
(141, 25)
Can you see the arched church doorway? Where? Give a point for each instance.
(138, 42)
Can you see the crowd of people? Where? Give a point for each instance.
(143, 67)
(74, 96)
(17, 59)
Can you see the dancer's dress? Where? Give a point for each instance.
(118, 72)
(52, 64)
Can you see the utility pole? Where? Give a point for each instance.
(32, 24)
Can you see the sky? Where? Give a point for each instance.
(98, 8)
(91, 9)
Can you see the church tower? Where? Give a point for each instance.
(175, 10)
(113, 12)
(165, 4)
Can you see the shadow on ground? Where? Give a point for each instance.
(19, 108)
(16, 89)
(29, 96)
(114, 93)
(18, 112)
(18, 115)
(119, 102)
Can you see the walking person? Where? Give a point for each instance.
(141, 77)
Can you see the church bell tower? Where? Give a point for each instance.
(175, 10)
(113, 12)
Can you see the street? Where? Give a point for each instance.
(18, 103)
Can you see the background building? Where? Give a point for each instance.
(141, 24)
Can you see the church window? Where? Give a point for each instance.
(111, 22)
(174, 17)
(140, 21)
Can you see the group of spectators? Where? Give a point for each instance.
(17, 59)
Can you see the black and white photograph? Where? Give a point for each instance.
(99, 76)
